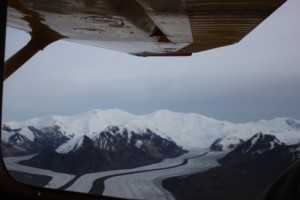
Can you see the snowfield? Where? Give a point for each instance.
(58, 179)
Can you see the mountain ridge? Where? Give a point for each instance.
(190, 130)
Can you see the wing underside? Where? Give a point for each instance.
(142, 27)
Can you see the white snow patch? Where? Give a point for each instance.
(6, 135)
(253, 142)
(138, 143)
(27, 133)
(71, 145)
(228, 141)
(272, 145)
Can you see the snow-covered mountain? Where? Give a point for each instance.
(187, 130)
(29, 140)
(112, 148)
(258, 144)
(263, 146)
(226, 143)
(229, 142)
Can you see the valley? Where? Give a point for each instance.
(133, 183)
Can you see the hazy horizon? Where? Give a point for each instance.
(145, 114)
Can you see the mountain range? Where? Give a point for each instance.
(114, 138)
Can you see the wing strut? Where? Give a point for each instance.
(23, 55)
(41, 36)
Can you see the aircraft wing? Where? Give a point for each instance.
(141, 27)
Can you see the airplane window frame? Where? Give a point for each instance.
(9, 187)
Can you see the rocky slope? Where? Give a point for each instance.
(110, 149)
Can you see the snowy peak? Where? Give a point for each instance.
(80, 124)
(260, 143)
(226, 143)
(259, 150)
(97, 120)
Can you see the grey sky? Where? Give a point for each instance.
(254, 79)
